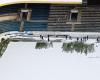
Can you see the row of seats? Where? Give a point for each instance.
(11, 8)
(35, 26)
(28, 26)
(57, 19)
(9, 26)
(40, 12)
(90, 20)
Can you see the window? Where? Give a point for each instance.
(74, 15)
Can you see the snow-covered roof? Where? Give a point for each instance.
(8, 2)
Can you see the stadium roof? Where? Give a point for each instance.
(8, 2)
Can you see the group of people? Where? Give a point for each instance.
(82, 39)
(47, 36)
(78, 38)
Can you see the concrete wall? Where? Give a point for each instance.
(8, 17)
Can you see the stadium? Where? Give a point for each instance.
(83, 16)
(49, 39)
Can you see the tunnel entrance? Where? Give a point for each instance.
(25, 14)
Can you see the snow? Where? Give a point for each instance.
(22, 61)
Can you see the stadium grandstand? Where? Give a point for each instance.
(71, 17)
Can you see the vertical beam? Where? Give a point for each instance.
(26, 5)
(21, 26)
(73, 27)
(21, 16)
(29, 15)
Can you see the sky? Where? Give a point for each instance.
(21, 61)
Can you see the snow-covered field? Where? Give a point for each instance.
(22, 61)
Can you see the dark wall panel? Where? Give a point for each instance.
(93, 2)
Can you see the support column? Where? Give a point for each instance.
(73, 27)
(28, 15)
(21, 16)
(26, 5)
(21, 26)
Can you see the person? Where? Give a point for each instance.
(87, 37)
(77, 38)
(70, 37)
(66, 36)
(81, 40)
(48, 38)
(97, 39)
(41, 36)
(84, 38)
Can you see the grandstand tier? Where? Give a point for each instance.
(52, 17)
